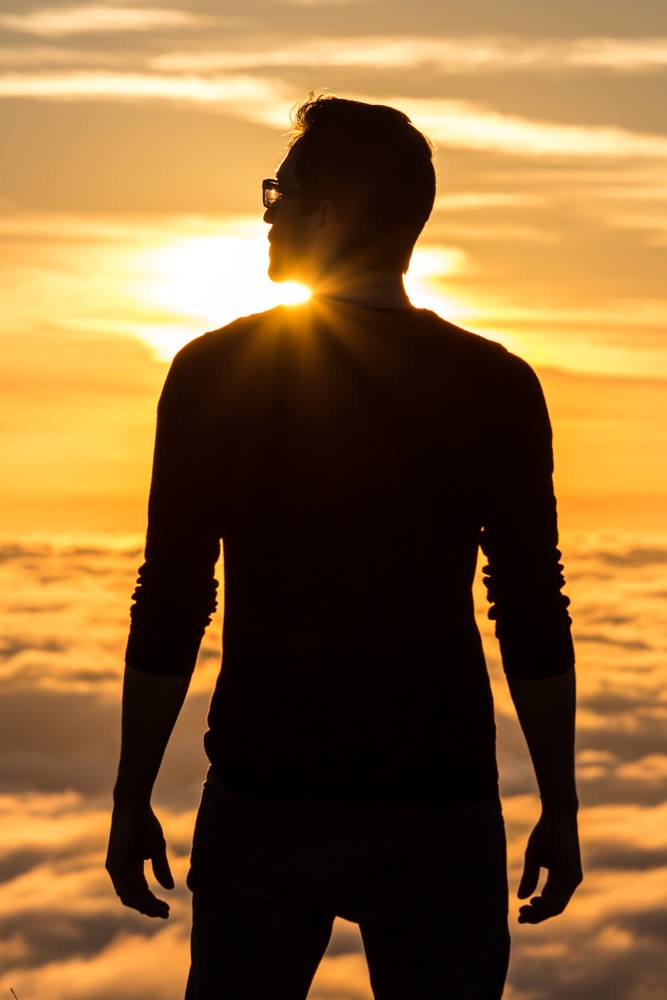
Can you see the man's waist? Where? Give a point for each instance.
(304, 643)
(441, 782)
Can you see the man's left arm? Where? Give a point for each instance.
(173, 603)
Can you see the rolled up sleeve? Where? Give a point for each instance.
(176, 592)
(519, 537)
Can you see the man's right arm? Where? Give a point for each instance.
(175, 597)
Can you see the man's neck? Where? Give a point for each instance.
(381, 289)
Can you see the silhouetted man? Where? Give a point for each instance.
(352, 453)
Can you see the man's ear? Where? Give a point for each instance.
(326, 214)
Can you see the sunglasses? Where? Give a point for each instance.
(273, 190)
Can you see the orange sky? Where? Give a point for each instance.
(131, 221)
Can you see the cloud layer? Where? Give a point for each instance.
(65, 933)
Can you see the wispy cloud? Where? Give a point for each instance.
(457, 123)
(460, 55)
(40, 56)
(471, 125)
(467, 54)
(85, 19)
(621, 54)
(248, 97)
(652, 223)
(487, 199)
(638, 177)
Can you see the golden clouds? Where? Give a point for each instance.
(79, 19)
(67, 934)
(477, 54)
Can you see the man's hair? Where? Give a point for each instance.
(375, 167)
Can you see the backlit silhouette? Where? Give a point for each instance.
(351, 454)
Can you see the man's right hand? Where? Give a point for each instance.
(554, 845)
(136, 836)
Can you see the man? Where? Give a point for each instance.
(352, 453)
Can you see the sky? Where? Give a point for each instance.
(136, 135)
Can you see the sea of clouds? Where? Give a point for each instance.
(66, 936)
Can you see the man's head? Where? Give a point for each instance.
(359, 186)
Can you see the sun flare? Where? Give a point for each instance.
(210, 280)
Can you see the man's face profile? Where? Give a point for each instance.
(301, 231)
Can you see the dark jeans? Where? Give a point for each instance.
(426, 884)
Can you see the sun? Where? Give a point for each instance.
(203, 282)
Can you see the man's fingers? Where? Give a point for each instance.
(528, 880)
(555, 896)
(146, 903)
(161, 869)
(540, 909)
(132, 889)
(531, 873)
(553, 845)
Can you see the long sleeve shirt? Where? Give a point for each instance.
(352, 460)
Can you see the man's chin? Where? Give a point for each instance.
(280, 274)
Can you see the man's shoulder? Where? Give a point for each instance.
(223, 341)
(215, 349)
(485, 351)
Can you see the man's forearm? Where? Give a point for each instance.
(546, 709)
(151, 704)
